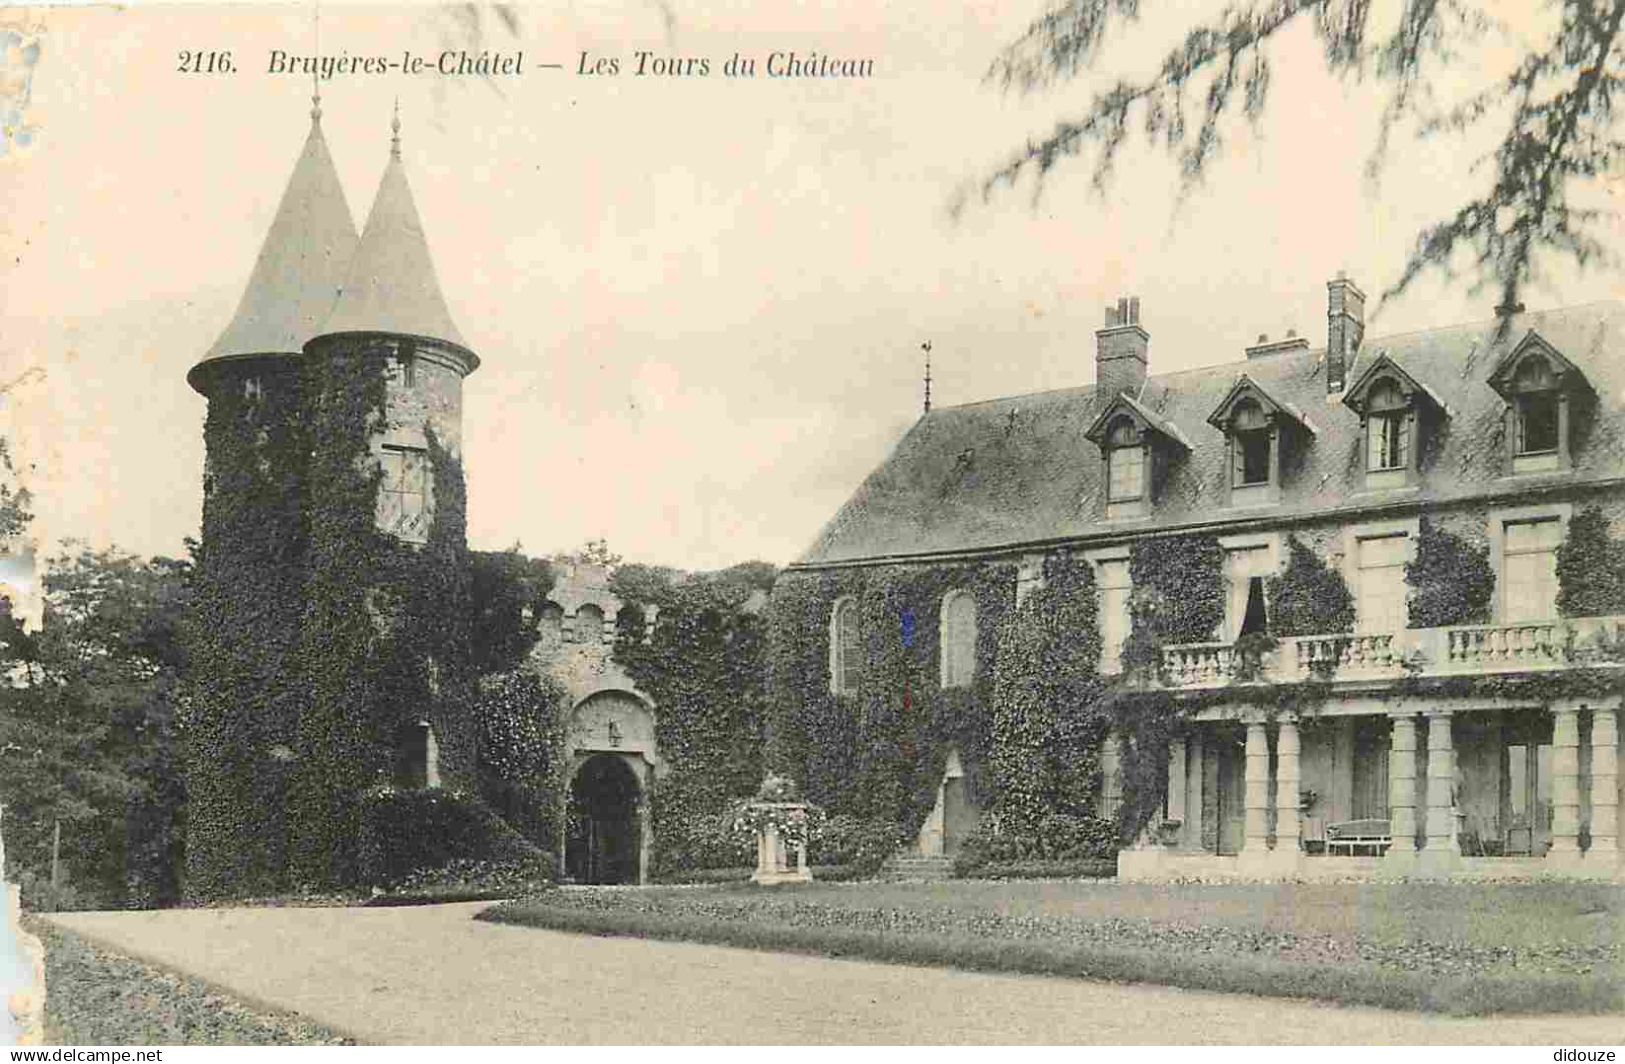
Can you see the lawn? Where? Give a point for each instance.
(1454, 947)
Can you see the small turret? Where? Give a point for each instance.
(390, 303)
(300, 267)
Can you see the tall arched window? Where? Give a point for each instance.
(845, 648)
(1125, 462)
(1388, 437)
(958, 639)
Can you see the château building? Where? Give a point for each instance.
(1479, 748)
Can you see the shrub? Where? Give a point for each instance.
(1450, 579)
(1053, 838)
(407, 835)
(521, 765)
(690, 841)
(850, 840)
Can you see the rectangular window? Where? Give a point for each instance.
(1537, 423)
(1126, 466)
(403, 495)
(1529, 570)
(1115, 586)
(1387, 442)
(1252, 457)
(1379, 592)
(1242, 564)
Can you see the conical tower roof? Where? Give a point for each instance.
(390, 285)
(301, 264)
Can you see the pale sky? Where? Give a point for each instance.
(699, 303)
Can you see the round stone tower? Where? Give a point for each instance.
(243, 710)
(384, 640)
(390, 305)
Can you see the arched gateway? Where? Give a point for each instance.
(612, 763)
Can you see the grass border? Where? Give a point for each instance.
(83, 970)
(1478, 994)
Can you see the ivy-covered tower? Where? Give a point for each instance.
(384, 640)
(330, 651)
(244, 695)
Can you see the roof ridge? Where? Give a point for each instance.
(1367, 345)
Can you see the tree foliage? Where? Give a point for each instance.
(88, 729)
(507, 592)
(1552, 111)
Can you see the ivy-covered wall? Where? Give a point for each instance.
(320, 642)
(878, 754)
(242, 693)
(703, 666)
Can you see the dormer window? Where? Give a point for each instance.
(1535, 400)
(1395, 411)
(1251, 433)
(1258, 429)
(1125, 462)
(1387, 429)
(1541, 388)
(1136, 445)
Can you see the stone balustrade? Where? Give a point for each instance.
(1455, 651)
(1198, 664)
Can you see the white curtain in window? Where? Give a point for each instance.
(1241, 565)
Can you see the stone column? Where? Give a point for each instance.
(1604, 783)
(1193, 792)
(1287, 777)
(1111, 782)
(1565, 779)
(1176, 780)
(1441, 784)
(1402, 786)
(1256, 780)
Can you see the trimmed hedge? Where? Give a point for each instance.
(410, 837)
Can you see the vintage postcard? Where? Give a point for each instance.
(812, 523)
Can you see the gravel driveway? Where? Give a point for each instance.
(431, 975)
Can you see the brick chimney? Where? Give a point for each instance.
(1345, 328)
(1120, 350)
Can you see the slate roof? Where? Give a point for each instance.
(1018, 470)
(301, 263)
(390, 285)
